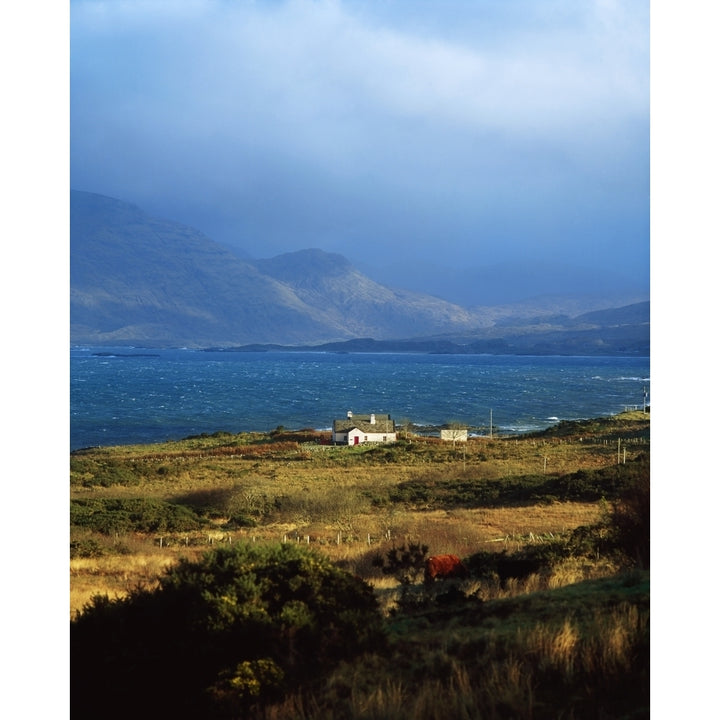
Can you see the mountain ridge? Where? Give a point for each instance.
(141, 280)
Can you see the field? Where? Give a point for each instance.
(549, 502)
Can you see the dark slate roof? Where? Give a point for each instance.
(383, 424)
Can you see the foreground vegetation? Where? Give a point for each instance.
(275, 576)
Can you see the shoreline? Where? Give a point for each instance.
(427, 431)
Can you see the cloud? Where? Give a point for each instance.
(288, 120)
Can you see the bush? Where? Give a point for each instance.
(86, 548)
(240, 520)
(624, 533)
(434, 491)
(630, 519)
(235, 629)
(110, 515)
(405, 563)
(504, 566)
(89, 472)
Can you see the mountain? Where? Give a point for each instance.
(140, 280)
(362, 306)
(145, 281)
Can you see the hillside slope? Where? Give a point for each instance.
(329, 282)
(140, 280)
(136, 279)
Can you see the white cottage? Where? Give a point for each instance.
(359, 429)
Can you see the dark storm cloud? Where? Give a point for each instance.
(379, 130)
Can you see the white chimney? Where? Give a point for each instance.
(372, 419)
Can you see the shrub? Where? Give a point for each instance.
(435, 490)
(86, 548)
(110, 515)
(240, 520)
(89, 472)
(630, 519)
(405, 563)
(505, 566)
(232, 630)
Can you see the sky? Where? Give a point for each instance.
(414, 138)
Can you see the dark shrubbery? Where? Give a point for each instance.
(86, 548)
(110, 515)
(234, 630)
(240, 520)
(519, 565)
(630, 519)
(405, 563)
(89, 472)
(590, 485)
(306, 435)
(624, 534)
(582, 486)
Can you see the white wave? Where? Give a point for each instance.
(519, 428)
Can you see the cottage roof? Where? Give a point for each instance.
(382, 424)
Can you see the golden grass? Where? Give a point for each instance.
(462, 532)
(114, 575)
(325, 495)
(504, 680)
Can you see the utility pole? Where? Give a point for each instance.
(644, 398)
(491, 423)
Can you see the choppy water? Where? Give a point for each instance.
(140, 396)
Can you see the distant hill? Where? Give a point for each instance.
(615, 331)
(608, 334)
(140, 280)
(135, 279)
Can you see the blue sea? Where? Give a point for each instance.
(122, 396)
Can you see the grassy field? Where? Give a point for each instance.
(499, 647)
